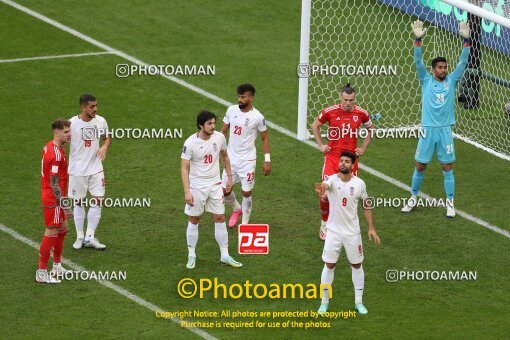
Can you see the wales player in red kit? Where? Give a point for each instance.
(54, 183)
(344, 120)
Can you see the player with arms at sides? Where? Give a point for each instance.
(437, 116)
(344, 121)
(86, 169)
(54, 184)
(344, 191)
(244, 122)
(200, 174)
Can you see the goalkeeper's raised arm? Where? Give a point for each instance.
(419, 32)
(463, 60)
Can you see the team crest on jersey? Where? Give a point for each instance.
(355, 118)
(445, 85)
(215, 147)
(352, 191)
(247, 121)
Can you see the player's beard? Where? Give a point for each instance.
(242, 105)
(345, 171)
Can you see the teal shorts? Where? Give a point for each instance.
(440, 138)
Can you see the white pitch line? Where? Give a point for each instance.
(54, 57)
(227, 103)
(108, 284)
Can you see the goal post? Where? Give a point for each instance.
(304, 52)
(368, 43)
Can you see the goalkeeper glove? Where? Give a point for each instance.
(464, 30)
(418, 29)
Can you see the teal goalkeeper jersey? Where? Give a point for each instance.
(438, 97)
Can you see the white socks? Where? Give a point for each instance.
(79, 220)
(232, 201)
(327, 278)
(93, 217)
(221, 234)
(246, 209)
(192, 238)
(358, 279)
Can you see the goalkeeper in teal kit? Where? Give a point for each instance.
(438, 116)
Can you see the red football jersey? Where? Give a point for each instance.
(343, 126)
(53, 163)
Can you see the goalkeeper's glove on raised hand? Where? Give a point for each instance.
(464, 30)
(418, 29)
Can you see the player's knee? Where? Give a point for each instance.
(421, 166)
(356, 266)
(219, 218)
(330, 265)
(447, 167)
(194, 219)
(246, 193)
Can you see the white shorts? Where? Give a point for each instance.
(79, 185)
(244, 172)
(209, 199)
(334, 242)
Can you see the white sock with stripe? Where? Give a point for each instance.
(327, 278)
(358, 279)
(247, 203)
(79, 220)
(93, 217)
(192, 238)
(221, 235)
(232, 201)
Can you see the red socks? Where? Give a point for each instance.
(58, 247)
(324, 206)
(48, 242)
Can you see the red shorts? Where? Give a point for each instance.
(331, 163)
(54, 216)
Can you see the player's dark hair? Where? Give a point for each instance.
(348, 89)
(204, 116)
(438, 60)
(349, 154)
(246, 88)
(85, 98)
(60, 124)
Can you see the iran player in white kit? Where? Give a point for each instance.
(344, 191)
(200, 174)
(86, 169)
(245, 123)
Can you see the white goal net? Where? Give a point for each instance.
(369, 43)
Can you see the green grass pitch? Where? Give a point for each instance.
(248, 41)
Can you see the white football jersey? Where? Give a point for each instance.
(83, 160)
(343, 204)
(244, 127)
(204, 156)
